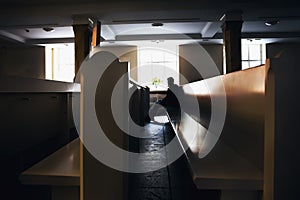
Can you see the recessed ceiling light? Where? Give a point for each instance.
(157, 24)
(157, 41)
(271, 22)
(48, 29)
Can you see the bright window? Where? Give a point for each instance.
(60, 62)
(158, 63)
(253, 55)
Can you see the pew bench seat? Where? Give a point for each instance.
(60, 170)
(223, 168)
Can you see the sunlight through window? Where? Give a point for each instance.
(253, 55)
(157, 62)
(60, 62)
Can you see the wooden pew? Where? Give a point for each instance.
(36, 121)
(233, 159)
(60, 170)
(97, 179)
(139, 103)
(72, 171)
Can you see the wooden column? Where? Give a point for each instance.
(96, 36)
(232, 26)
(83, 37)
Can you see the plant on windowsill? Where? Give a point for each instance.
(155, 81)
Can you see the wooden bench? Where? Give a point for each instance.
(235, 161)
(37, 120)
(59, 170)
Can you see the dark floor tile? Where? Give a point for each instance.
(154, 179)
(173, 182)
(184, 193)
(153, 194)
(157, 140)
(151, 147)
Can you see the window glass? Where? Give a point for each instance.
(157, 63)
(60, 62)
(253, 55)
(254, 63)
(245, 64)
(254, 52)
(245, 52)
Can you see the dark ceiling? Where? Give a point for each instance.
(185, 17)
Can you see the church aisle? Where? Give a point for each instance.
(173, 182)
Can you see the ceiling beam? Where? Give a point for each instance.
(264, 35)
(107, 33)
(210, 29)
(158, 37)
(12, 37)
(49, 41)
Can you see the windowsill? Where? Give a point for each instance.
(158, 88)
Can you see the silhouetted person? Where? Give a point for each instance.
(172, 93)
(168, 104)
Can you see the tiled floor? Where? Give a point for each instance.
(169, 183)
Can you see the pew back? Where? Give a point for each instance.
(233, 158)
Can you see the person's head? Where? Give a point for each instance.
(170, 81)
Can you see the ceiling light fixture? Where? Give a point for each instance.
(157, 24)
(271, 22)
(48, 29)
(155, 41)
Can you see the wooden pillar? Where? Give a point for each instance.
(83, 37)
(82, 28)
(232, 26)
(96, 36)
